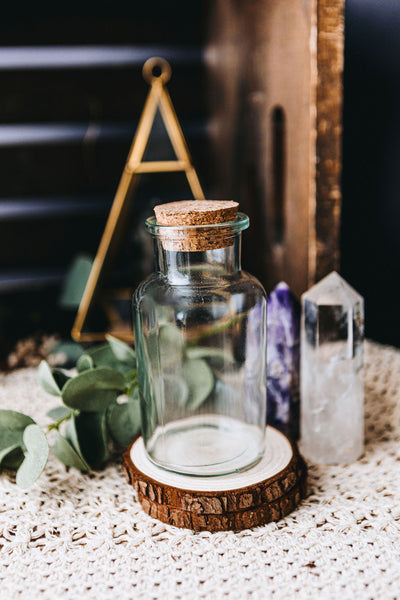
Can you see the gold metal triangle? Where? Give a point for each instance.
(157, 72)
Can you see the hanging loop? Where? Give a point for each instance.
(156, 69)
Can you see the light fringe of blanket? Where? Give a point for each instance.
(85, 536)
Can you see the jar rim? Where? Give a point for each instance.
(238, 225)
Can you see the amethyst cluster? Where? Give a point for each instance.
(283, 360)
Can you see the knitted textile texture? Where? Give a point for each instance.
(84, 536)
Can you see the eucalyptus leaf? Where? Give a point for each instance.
(37, 453)
(120, 424)
(170, 345)
(13, 458)
(11, 419)
(93, 390)
(72, 437)
(47, 380)
(176, 390)
(11, 437)
(12, 427)
(4, 452)
(70, 349)
(135, 414)
(121, 350)
(133, 393)
(131, 375)
(65, 452)
(85, 362)
(75, 282)
(226, 395)
(200, 381)
(60, 378)
(58, 412)
(103, 356)
(217, 357)
(91, 437)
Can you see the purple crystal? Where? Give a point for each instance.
(283, 360)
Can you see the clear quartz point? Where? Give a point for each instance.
(332, 391)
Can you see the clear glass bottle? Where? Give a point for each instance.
(200, 335)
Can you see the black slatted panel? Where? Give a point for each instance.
(72, 94)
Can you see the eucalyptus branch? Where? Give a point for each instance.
(57, 424)
(131, 386)
(95, 419)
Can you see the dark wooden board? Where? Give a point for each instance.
(275, 94)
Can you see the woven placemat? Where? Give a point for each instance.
(75, 535)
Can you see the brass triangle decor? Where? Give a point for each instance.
(157, 73)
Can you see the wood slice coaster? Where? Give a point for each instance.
(266, 492)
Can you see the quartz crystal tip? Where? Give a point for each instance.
(332, 289)
(332, 394)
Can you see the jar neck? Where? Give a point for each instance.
(185, 267)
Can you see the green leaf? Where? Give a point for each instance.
(65, 452)
(12, 426)
(133, 393)
(226, 395)
(103, 356)
(91, 437)
(10, 438)
(37, 453)
(217, 356)
(93, 390)
(132, 375)
(122, 427)
(47, 380)
(71, 350)
(60, 378)
(135, 414)
(122, 351)
(58, 412)
(11, 419)
(176, 389)
(170, 344)
(12, 458)
(75, 282)
(4, 452)
(200, 381)
(85, 362)
(72, 437)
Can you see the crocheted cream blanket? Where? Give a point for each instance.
(85, 536)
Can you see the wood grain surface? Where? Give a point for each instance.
(330, 49)
(275, 93)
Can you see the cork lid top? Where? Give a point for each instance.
(196, 212)
(197, 225)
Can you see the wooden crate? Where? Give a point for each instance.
(257, 88)
(275, 92)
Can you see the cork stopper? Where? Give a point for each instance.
(186, 219)
(196, 212)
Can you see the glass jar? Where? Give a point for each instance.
(200, 335)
